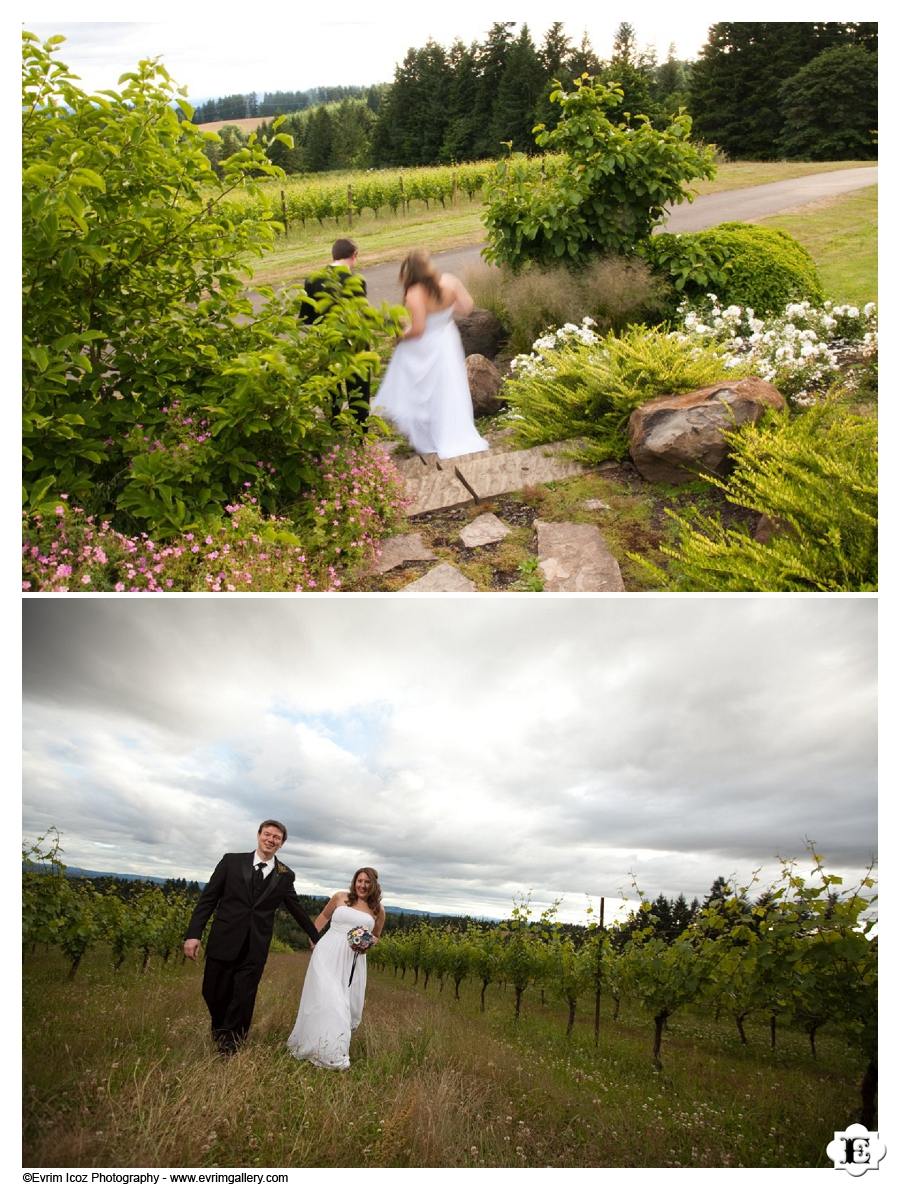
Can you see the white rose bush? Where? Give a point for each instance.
(801, 352)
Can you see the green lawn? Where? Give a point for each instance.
(842, 236)
(387, 237)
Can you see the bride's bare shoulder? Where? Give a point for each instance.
(449, 287)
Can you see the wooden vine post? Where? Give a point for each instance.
(598, 975)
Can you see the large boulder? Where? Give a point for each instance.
(482, 333)
(485, 383)
(673, 438)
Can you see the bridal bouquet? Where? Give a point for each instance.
(360, 940)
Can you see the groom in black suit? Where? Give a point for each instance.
(245, 890)
(327, 289)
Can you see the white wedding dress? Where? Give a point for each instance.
(330, 1006)
(425, 391)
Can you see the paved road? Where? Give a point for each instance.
(753, 202)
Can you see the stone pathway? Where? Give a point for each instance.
(433, 484)
(442, 578)
(571, 557)
(484, 530)
(406, 547)
(575, 557)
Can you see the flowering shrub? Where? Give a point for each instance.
(357, 498)
(539, 360)
(801, 351)
(576, 384)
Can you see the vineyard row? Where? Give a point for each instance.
(306, 200)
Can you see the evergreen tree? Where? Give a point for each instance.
(583, 60)
(830, 107)
(462, 98)
(736, 85)
(518, 94)
(492, 57)
(634, 72)
(433, 93)
(662, 911)
(555, 54)
(231, 139)
(625, 44)
(682, 915)
(670, 84)
(351, 135)
(719, 891)
(394, 135)
(317, 147)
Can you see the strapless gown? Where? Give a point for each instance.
(425, 393)
(330, 1009)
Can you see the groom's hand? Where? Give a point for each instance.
(191, 947)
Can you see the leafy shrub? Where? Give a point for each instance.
(611, 188)
(588, 387)
(152, 389)
(814, 476)
(615, 291)
(356, 499)
(746, 265)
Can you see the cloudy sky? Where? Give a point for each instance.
(470, 749)
(290, 47)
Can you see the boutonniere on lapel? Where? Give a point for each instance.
(280, 867)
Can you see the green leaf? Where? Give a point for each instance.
(88, 177)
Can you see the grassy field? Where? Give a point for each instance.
(842, 236)
(119, 1072)
(386, 237)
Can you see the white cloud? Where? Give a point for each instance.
(294, 48)
(468, 749)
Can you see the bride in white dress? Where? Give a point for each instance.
(425, 390)
(331, 1005)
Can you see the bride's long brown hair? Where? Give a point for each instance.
(373, 900)
(417, 269)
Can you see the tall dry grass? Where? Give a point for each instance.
(119, 1071)
(613, 290)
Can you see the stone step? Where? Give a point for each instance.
(405, 547)
(574, 557)
(433, 485)
(443, 577)
(486, 529)
(490, 475)
(435, 491)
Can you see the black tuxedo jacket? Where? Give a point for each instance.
(335, 282)
(239, 915)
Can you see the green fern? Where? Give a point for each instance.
(593, 389)
(815, 477)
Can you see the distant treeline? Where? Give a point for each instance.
(286, 929)
(277, 103)
(759, 91)
(463, 102)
